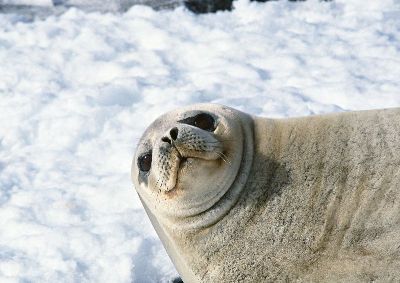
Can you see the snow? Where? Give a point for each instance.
(77, 91)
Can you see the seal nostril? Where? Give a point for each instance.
(165, 139)
(174, 133)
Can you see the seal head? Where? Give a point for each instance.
(188, 159)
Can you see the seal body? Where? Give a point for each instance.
(320, 202)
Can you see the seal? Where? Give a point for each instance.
(239, 198)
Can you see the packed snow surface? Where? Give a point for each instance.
(78, 90)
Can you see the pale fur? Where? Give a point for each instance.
(321, 203)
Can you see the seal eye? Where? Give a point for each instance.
(144, 162)
(204, 121)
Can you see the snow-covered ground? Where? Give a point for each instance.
(78, 90)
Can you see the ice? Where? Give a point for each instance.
(77, 90)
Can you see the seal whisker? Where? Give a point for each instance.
(224, 157)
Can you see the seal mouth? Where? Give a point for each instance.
(183, 161)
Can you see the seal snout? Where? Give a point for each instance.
(171, 139)
(182, 149)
